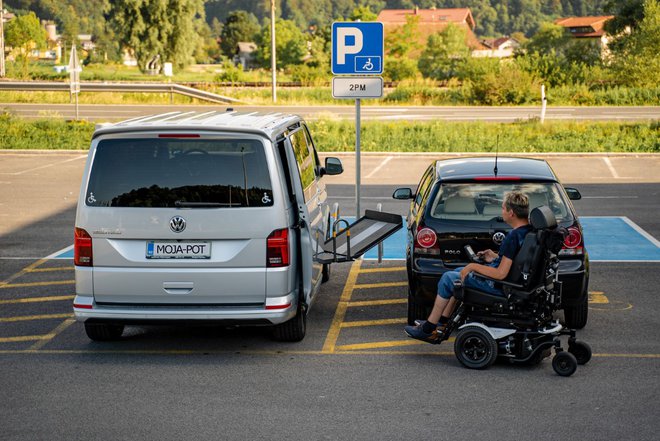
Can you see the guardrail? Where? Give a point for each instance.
(170, 88)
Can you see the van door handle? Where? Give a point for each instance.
(178, 287)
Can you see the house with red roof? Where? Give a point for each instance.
(587, 28)
(431, 21)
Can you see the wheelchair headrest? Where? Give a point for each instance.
(542, 218)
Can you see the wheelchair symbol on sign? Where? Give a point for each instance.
(368, 65)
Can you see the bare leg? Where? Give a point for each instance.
(441, 307)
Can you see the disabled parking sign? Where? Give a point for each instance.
(357, 48)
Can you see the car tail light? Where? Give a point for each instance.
(277, 248)
(82, 248)
(573, 243)
(426, 241)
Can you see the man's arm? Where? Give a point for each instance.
(498, 273)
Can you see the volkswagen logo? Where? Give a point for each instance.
(177, 224)
(498, 237)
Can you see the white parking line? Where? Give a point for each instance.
(607, 162)
(382, 164)
(641, 231)
(45, 166)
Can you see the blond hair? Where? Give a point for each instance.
(517, 202)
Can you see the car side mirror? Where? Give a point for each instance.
(332, 167)
(573, 193)
(402, 193)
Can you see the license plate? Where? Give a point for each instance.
(178, 250)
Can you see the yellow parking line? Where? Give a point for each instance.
(25, 270)
(383, 270)
(598, 297)
(35, 300)
(22, 338)
(26, 318)
(380, 285)
(340, 313)
(377, 302)
(25, 285)
(357, 324)
(48, 270)
(54, 333)
(383, 344)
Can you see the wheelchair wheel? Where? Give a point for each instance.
(580, 350)
(564, 364)
(475, 348)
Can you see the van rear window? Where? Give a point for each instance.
(192, 173)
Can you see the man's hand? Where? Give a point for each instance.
(465, 271)
(487, 255)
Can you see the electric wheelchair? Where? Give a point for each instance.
(519, 326)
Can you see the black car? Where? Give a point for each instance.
(458, 202)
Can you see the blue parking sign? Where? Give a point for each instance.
(357, 48)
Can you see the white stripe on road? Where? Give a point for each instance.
(639, 229)
(611, 167)
(45, 166)
(382, 164)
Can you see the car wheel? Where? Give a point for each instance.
(294, 329)
(103, 331)
(581, 351)
(575, 317)
(325, 273)
(415, 310)
(475, 348)
(564, 364)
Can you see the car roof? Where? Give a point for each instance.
(267, 124)
(483, 167)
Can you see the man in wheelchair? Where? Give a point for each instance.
(503, 306)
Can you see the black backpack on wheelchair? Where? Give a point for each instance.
(519, 325)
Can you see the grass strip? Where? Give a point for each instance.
(400, 136)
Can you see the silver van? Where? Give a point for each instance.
(194, 217)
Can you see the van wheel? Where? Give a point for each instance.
(103, 331)
(292, 330)
(325, 273)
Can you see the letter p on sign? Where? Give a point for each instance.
(347, 45)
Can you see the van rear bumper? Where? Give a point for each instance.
(86, 309)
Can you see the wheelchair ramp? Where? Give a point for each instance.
(355, 240)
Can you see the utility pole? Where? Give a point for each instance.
(272, 49)
(2, 41)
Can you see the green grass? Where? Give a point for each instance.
(378, 136)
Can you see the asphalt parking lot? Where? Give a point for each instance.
(355, 376)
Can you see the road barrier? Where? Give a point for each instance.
(170, 88)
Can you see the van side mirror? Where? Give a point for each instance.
(573, 193)
(332, 167)
(402, 193)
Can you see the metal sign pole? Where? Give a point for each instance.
(357, 158)
(273, 64)
(2, 41)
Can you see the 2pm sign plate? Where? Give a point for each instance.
(357, 48)
(357, 87)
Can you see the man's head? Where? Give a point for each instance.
(515, 204)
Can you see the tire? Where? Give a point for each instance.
(475, 348)
(564, 364)
(292, 330)
(104, 331)
(576, 317)
(581, 351)
(325, 273)
(415, 310)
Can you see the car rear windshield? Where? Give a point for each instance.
(192, 173)
(482, 201)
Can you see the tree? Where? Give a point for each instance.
(290, 44)
(363, 13)
(167, 30)
(239, 26)
(445, 52)
(25, 33)
(636, 59)
(399, 64)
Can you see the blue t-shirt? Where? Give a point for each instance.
(511, 244)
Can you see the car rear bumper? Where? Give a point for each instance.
(86, 309)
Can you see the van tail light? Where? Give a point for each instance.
(277, 248)
(573, 243)
(82, 248)
(426, 241)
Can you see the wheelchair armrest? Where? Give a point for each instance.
(503, 282)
